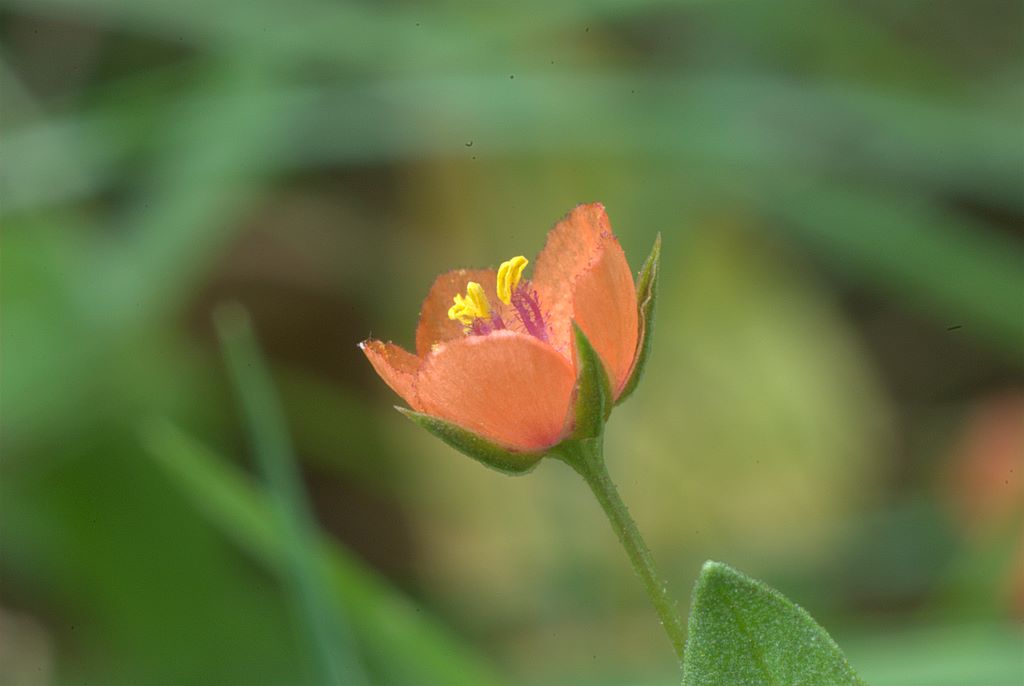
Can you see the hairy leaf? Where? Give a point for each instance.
(742, 633)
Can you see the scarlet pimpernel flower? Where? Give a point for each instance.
(507, 368)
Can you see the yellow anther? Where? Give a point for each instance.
(509, 274)
(472, 306)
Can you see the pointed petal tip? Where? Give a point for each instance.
(395, 365)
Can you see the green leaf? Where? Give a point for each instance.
(592, 403)
(646, 294)
(742, 633)
(475, 446)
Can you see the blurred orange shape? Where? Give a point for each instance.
(987, 476)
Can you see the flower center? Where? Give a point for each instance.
(474, 311)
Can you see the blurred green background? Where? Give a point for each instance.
(835, 401)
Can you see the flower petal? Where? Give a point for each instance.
(604, 306)
(582, 274)
(434, 325)
(508, 387)
(570, 248)
(395, 365)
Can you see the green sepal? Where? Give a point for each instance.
(476, 446)
(593, 396)
(743, 632)
(646, 294)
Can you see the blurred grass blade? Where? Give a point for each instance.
(922, 142)
(955, 267)
(209, 169)
(331, 642)
(403, 644)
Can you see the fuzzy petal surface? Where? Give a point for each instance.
(604, 306)
(508, 387)
(582, 274)
(434, 325)
(570, 248)
(395, 365)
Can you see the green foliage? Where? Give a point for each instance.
(593, 400)
(326, 634)
(646, 294)
(743, 633)
(402, 644)
(475, 446)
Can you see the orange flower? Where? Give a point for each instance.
(500, 364)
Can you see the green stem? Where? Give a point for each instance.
(587, 458)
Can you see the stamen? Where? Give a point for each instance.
(509, 274)
(479, 327)
(474, 311)
(527, 306)
(471, 307)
